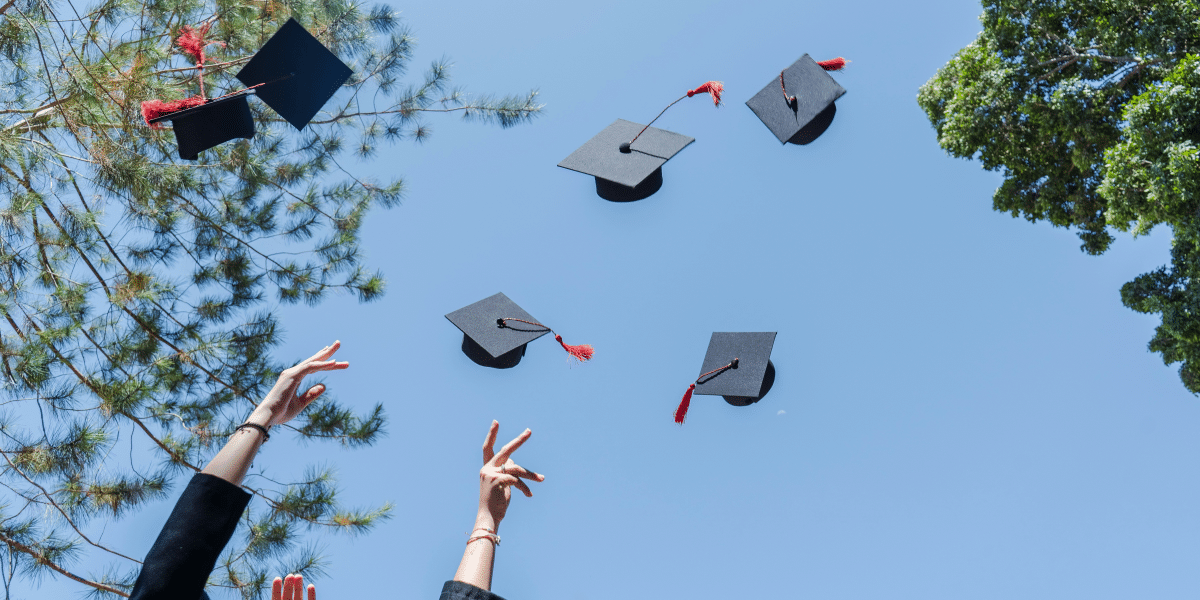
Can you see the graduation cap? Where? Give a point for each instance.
(297, 73)
(737, 366)
(496, 331)
(626, 158)
(293, 73)
(209, 124)
(798, 106)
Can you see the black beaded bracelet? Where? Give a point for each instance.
(266, 436)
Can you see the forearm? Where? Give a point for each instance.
(479, 556)
(233, 461)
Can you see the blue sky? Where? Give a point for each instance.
(963, 407)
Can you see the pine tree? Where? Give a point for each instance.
(137, 290)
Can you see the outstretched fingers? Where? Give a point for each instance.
(326, 365)
(297, 588)
(513, 468)
(521, 485)
(283, 589)
(507, 481)
(505, 452)
(324, 353)
(489, 442)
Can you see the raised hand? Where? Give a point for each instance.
(291, 588)
(499, 474)
(284, 401)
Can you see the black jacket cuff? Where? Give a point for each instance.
(457, 590)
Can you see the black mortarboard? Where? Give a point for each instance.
(293, 73)
(298, 74)
(737, 366)
(626, 158)
(798, 104)
(625, 176)
(496, 330)
(202, 127)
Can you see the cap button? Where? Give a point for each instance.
(625, 149)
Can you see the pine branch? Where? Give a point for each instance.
(174, 457)
(524, 112)
(111, 251)
(87, 381)
(56, 506)
(145, 326)
(40, 559)
(39, 111)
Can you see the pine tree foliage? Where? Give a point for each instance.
(137, 290)
(1089, 109)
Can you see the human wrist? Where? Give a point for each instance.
(261, 418)
(484, 520)
(259, 431)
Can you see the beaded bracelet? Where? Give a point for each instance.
(266, 436)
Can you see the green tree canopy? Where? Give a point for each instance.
(137, 291)
(1089, 109)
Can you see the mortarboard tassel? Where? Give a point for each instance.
(154, 109)
(791, 100)
(192, 42)
(583, 352)
(833, 64)
(713, 88)
(681, 412)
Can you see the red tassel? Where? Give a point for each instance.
(157, 108)
(834, 64)
(193, 42)
(681, 412)
(714, 88)
(582, 352)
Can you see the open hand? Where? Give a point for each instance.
(291, 588)
(284, 401)
(499, 473)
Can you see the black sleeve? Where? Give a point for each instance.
(187, 549)
(457, 590)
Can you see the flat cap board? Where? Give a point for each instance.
(300, 74)
(814, 89)
(601, 156)
(753, 351)
(206, 126)
(478, 322)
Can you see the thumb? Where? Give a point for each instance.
(313, 393)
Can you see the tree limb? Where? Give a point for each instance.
(61, 511)
(42, 560)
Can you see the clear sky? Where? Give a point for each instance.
(963, 407)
